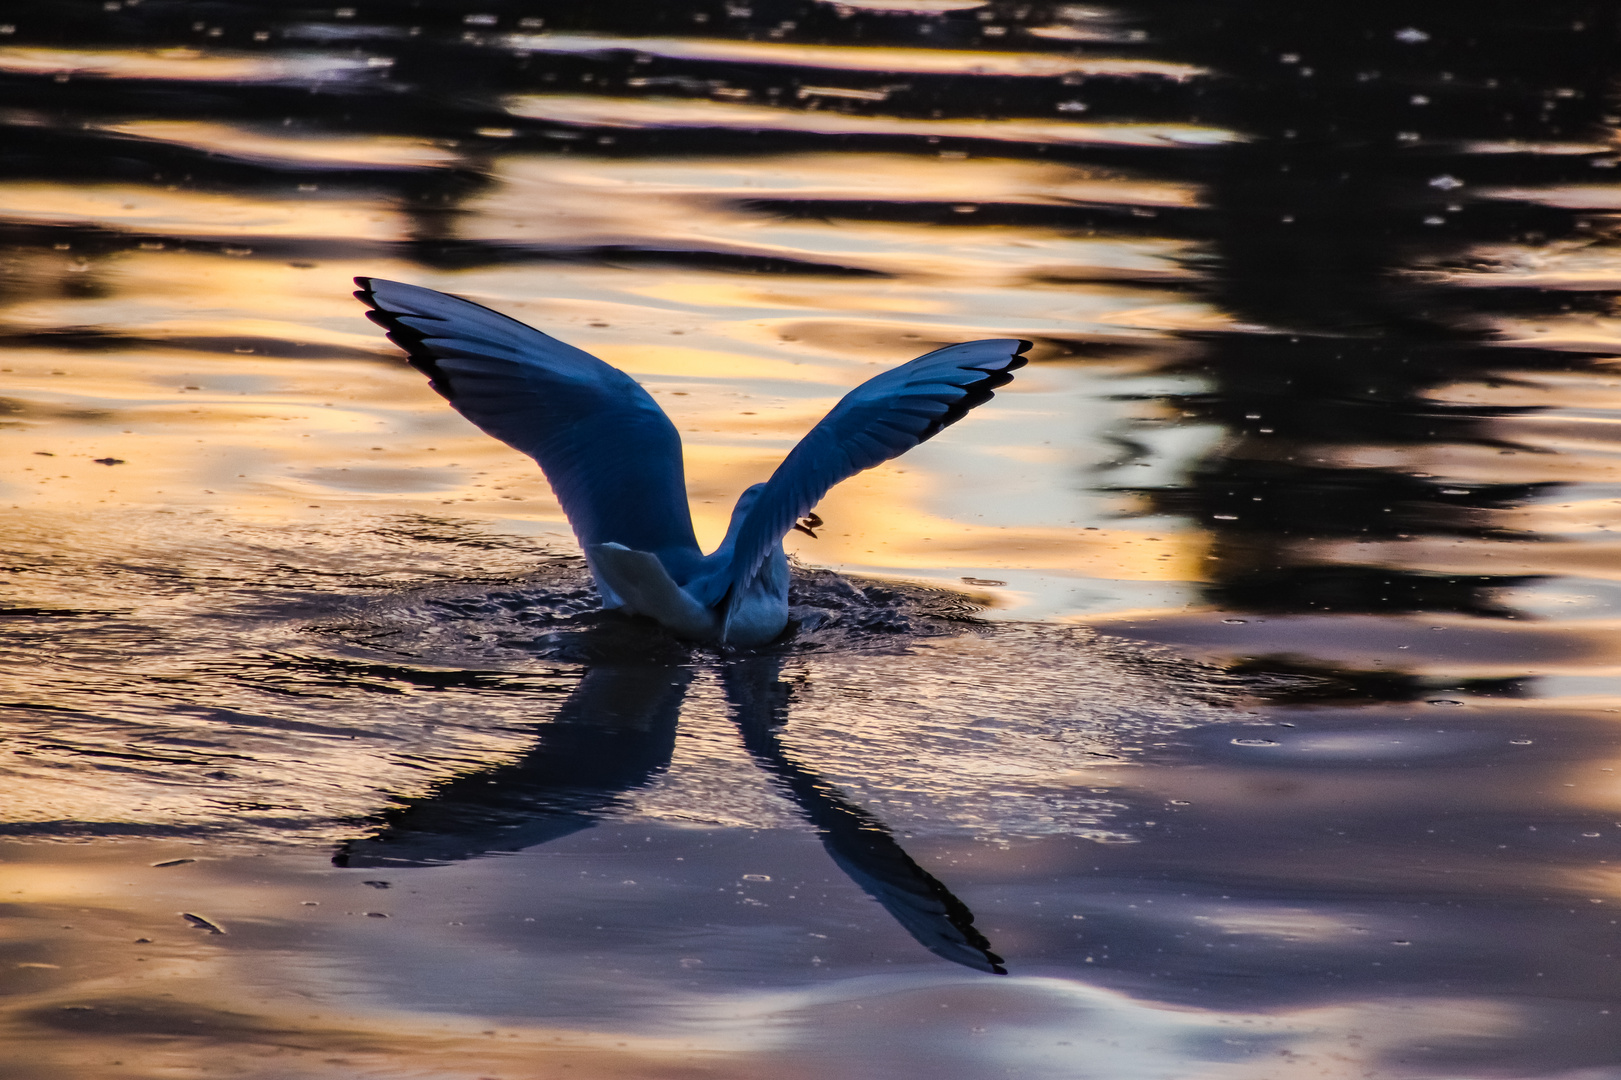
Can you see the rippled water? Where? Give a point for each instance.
(1241, 682)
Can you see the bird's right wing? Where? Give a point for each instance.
(613, 458)
(882, 418)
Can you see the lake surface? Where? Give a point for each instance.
(1234, 697)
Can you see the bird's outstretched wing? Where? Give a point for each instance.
(882, 418)
(613, 458)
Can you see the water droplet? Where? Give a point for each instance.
(1445, 701)
(1255, 742)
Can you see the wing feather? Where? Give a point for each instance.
(881, 419)
(611, 455)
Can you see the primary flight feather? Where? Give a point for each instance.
(614, 459)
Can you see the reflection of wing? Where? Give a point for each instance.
(882, 418)
(615, 732)
(610, 453)
(857, 841)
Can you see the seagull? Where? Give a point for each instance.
(613, 458)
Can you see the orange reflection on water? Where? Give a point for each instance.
(277, 144)
(686, 112)
(879, 519)
(877, 59)
(253, 435)
(180, 64)
(655, 360)
(149, 208)
(850, 175)
(692, 203)
(253, 386)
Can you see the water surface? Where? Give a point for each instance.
(1234, 696)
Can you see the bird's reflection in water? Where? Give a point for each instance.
(615, 733)
(858, 842)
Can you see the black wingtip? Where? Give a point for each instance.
(409, 339)
(1018, 360)
(975, 394)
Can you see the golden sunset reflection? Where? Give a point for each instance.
(272, 430)
(278, 145)
(261, 437)
(880, 60)
(156, 209)
(265, 436)
(687, 112)
(678, 203)
(1233, 695)
(846, 175)
(178, 63)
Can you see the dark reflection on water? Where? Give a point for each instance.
(612, 734)
(856, 840)
(1354, 804)
(1366, 163)
(615, 731)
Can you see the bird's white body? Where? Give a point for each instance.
(614, 459)
(642, 586)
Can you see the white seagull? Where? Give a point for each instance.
(613, 457)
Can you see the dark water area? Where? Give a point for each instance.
(1235, 696)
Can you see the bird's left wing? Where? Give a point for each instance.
(882, 418)
(613, 458)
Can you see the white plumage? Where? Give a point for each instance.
(614, 459)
